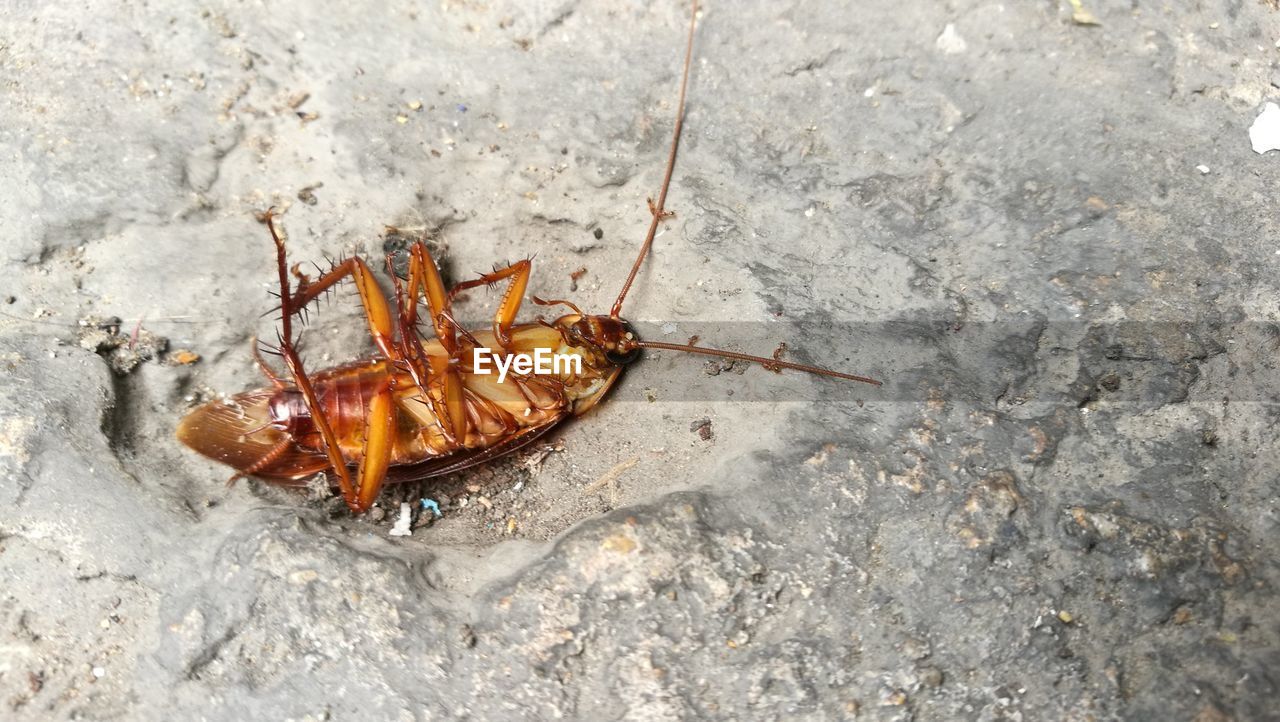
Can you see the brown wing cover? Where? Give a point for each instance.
(221, 430)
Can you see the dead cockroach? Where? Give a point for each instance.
(425, 406)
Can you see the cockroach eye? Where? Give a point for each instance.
(622, 358)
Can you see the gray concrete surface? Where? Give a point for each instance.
(1061, 505)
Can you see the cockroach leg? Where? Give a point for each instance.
(505, 316)
(267, 460)
(294, 363)
(438, 375)
(376, 308)
(275, 380)
(379, 438)
(557, 302)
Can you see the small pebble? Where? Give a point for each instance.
(703, 428)
(931, 677)
(403, 525)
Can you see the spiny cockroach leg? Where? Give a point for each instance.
(379, 437)
(424, 278)
(376, 308)
(267, 459)
(509, 306)
(294, 363)
(378, 440)
(438, 376)
(447, 315)
(276, 381)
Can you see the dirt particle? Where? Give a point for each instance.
(123, 352)
(892, 697)
(702, 427)
(183, 357)
(307, 195)
(931, 677)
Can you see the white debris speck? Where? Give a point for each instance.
(950, 41)
(401, 527)
(1204, 169)
(1264, 134)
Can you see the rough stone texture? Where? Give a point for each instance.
(1061, 505)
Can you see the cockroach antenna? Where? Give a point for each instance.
(769, 363)
(659, 213)
(656, 209)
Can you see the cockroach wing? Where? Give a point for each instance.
(235, 432)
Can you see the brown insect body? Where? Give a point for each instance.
(270, 433)
(421, 408)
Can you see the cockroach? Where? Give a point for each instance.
(422, 406)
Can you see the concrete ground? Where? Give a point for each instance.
(1050, 239)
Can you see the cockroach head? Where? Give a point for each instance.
(611, 337)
